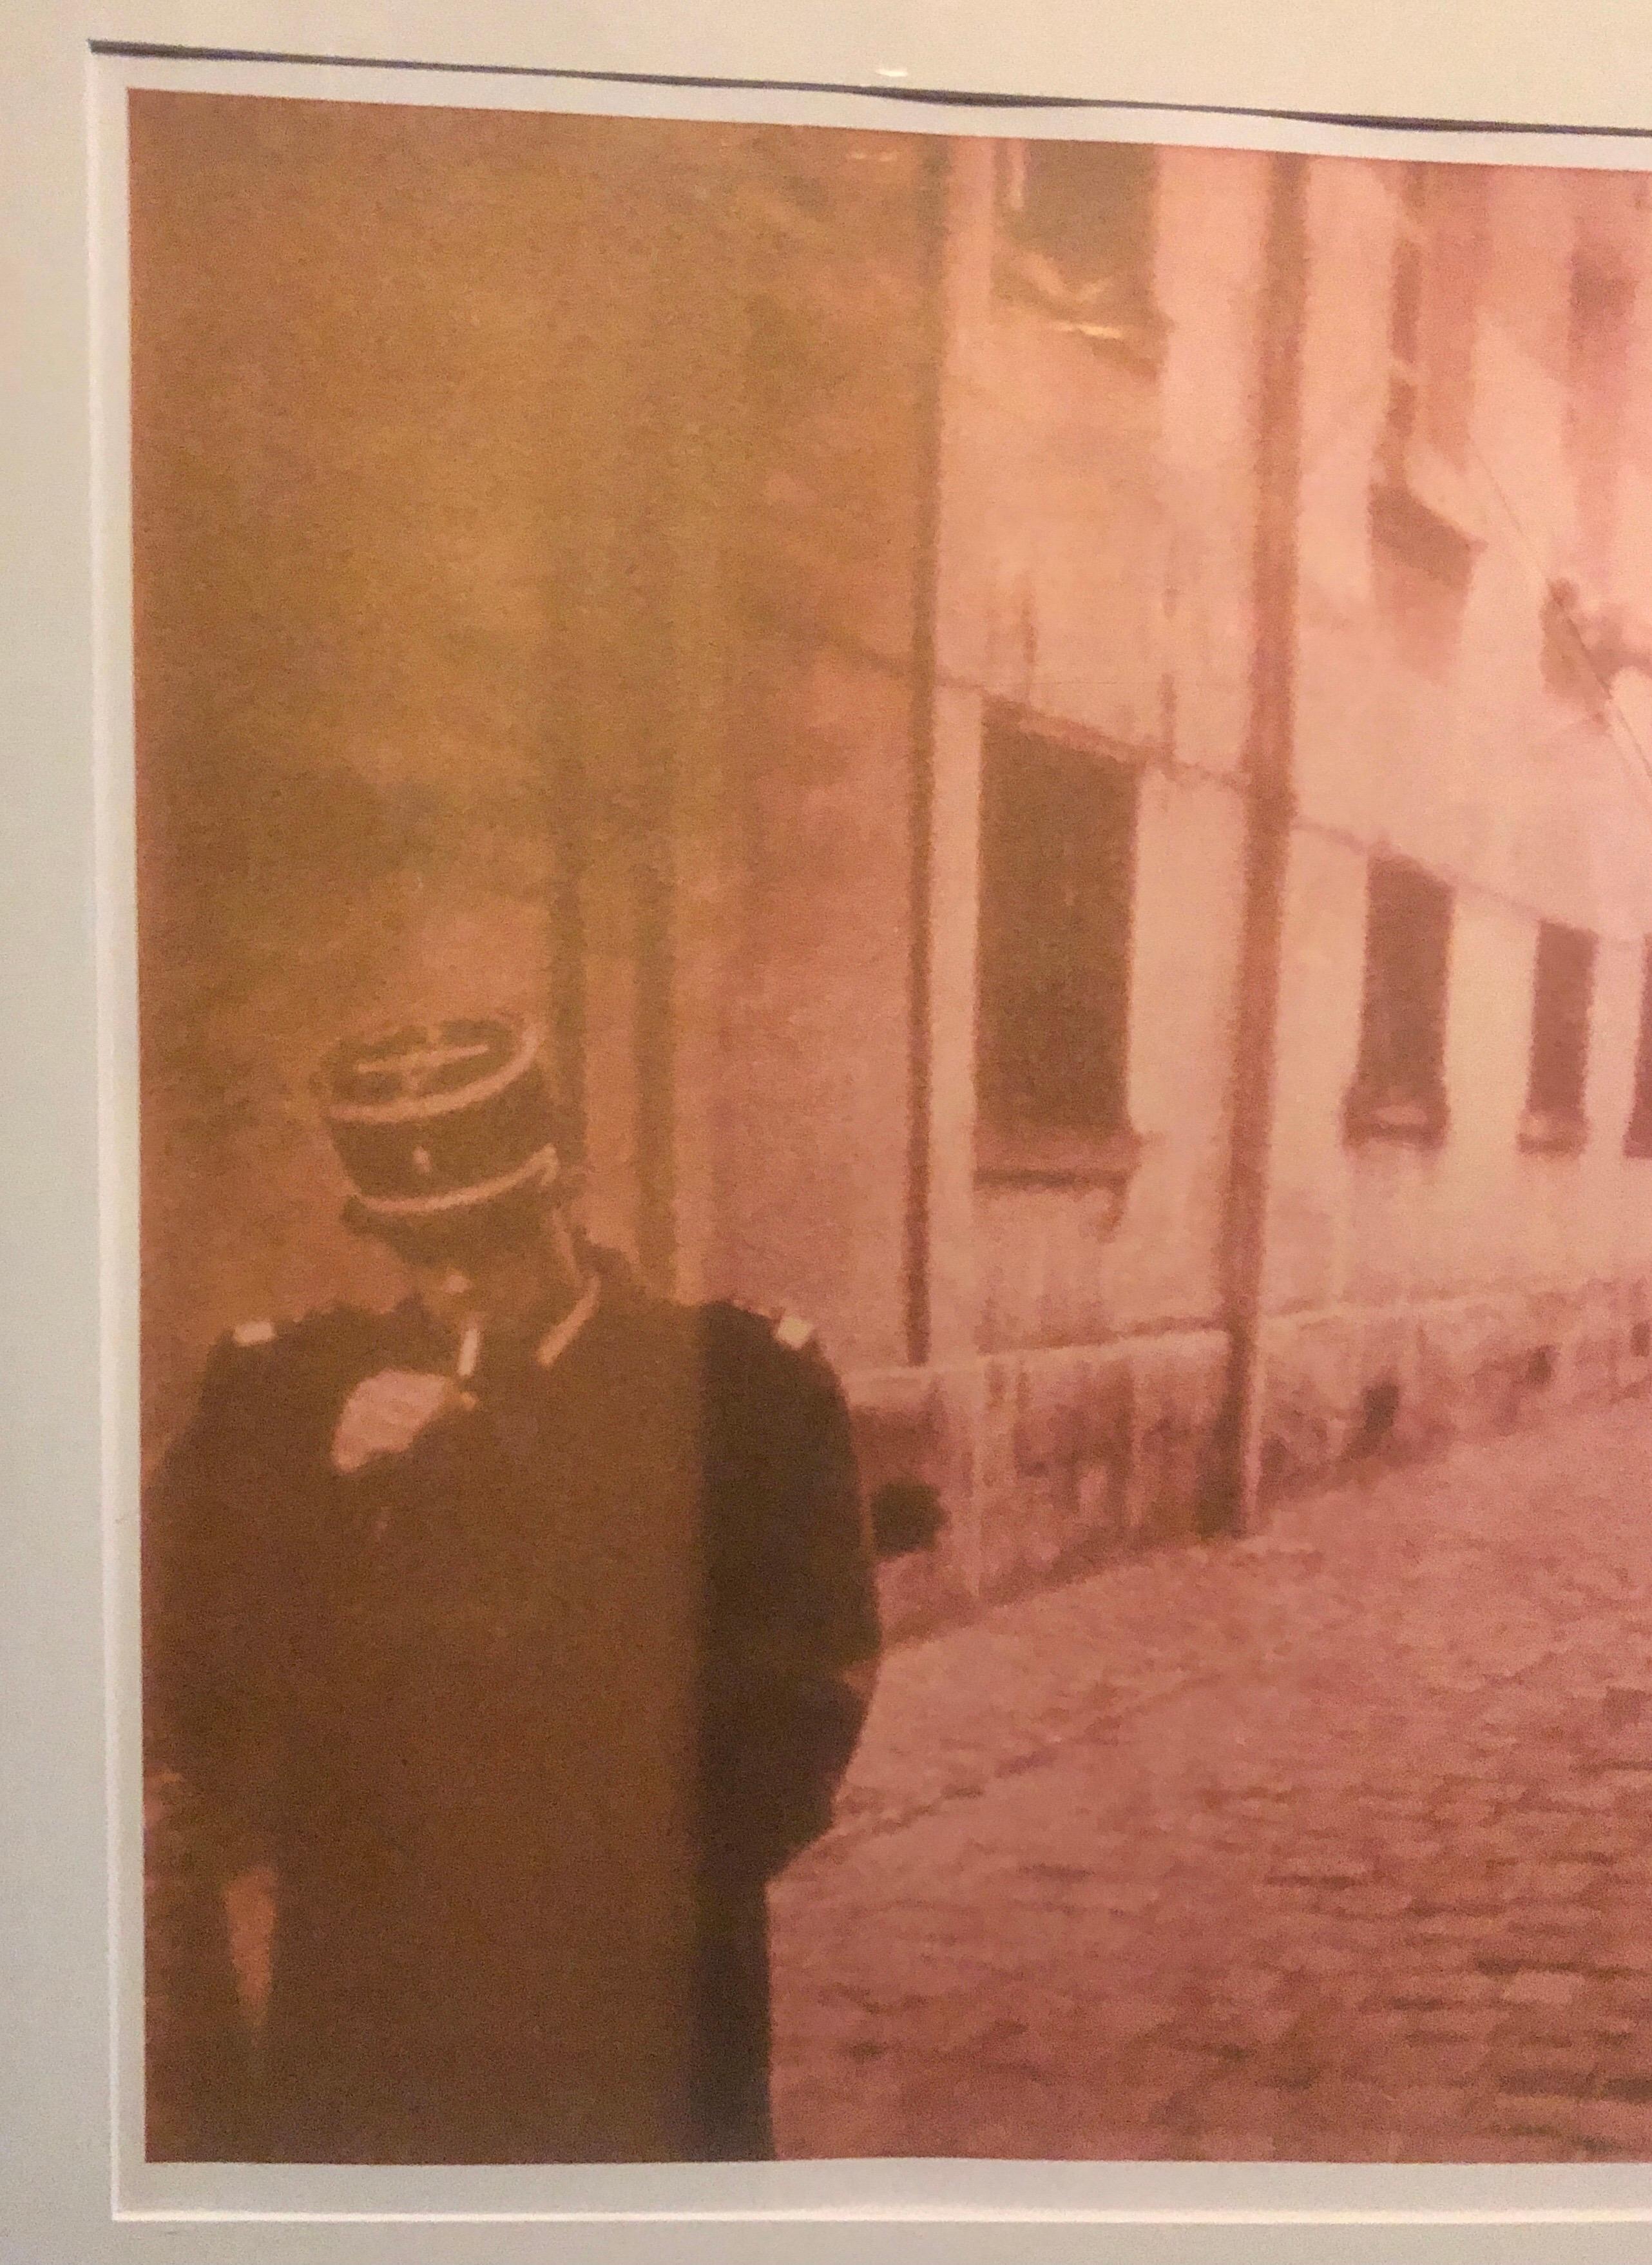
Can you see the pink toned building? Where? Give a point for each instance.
(1278, 1091)
(1058, 733)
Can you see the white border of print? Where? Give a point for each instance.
(73, 2187)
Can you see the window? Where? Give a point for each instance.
(1422, 502)
(1563, 992)
(1076, 238)
(1053, 1002)
(1600, 339)
(1592, 354)
(1398, 1088)
(1637, 1140)
(1438, 260)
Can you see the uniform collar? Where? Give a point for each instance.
(557, 1341)
(432, 1340)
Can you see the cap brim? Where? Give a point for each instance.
(457, 1228)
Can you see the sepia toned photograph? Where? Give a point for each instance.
(895, 974)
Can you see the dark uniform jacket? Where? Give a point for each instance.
(520, 1722)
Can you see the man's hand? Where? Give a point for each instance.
(386, 1413)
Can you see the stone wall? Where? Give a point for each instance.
(1407, 1381)
(1049, 1462)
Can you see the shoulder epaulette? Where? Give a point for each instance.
(757, 1325)
(787, 1329)
(320, 1326)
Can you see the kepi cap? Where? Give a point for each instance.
(438, 1123)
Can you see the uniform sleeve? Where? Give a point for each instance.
(205, 1770)
(794, 1638)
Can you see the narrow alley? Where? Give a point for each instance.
(1334, 1844)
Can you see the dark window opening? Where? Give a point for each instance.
(1378, 1413)
(1398, 1088)
(1600, 321)
(1641, 1340)
(1439, 264)
(1563, 993)
(1540, 1366)
(1420, 505)
(1076, 238)
(1637, 1139)
(1053, 1002)
(1405, 318)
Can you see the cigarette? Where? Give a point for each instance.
(470, 1352)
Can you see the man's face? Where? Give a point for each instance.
(507, 1288)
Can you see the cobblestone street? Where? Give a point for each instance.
(1331, 1844)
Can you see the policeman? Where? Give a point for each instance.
(499, 1648)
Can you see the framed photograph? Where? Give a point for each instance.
(831, 1345)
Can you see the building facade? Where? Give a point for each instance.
(1059, 733)
(1280, 1077)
